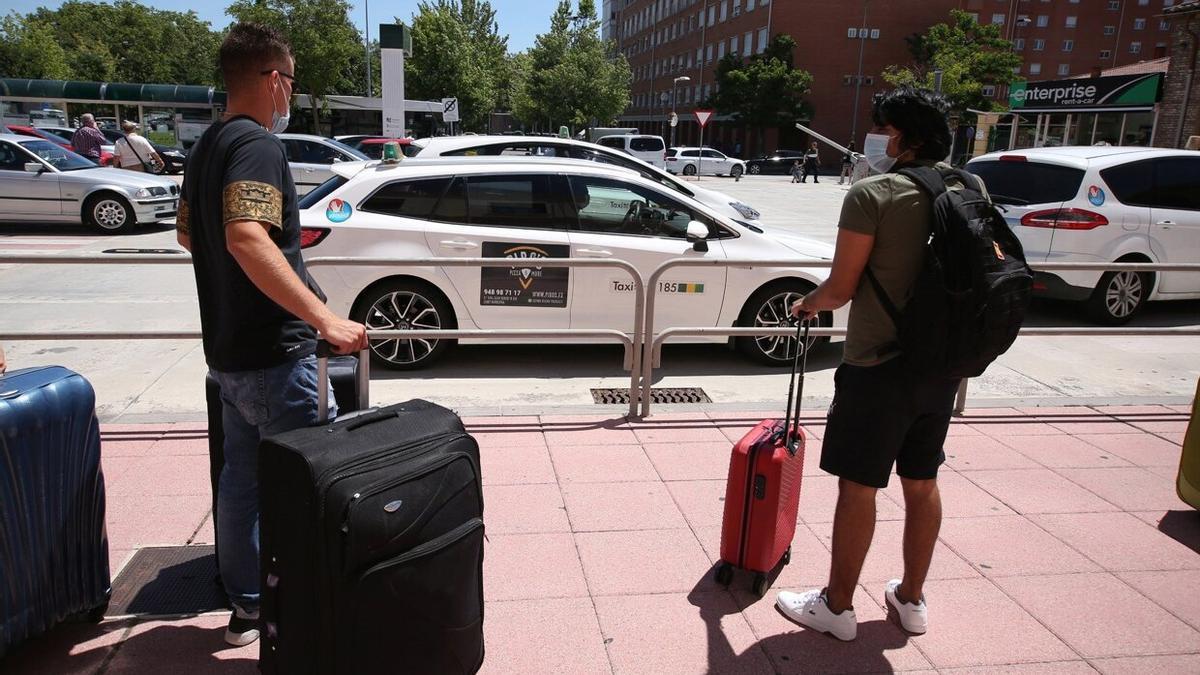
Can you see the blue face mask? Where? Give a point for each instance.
(279, 122)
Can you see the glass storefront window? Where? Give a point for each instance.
(1053, 130)
(1080, 132)
(1108, 128)
(1026, 129)
(1138, 128)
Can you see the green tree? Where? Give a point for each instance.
(575, 78)
(457, 51)
(28, 49)
(764, 91)
(324, 41)
(969, 54)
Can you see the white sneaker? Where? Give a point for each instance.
(913, 617)
(811, 609)
(243, 627)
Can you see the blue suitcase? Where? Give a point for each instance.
(53, 544)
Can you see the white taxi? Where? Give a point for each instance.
(526, 209)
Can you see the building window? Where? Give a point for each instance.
(721, 49)
(708, 54)
(733, 44)
(1039, 44)
(1072, 21)
(712, 16)
(1110, 30)
(1114, 4)
(1043, 20)
(1135, 48)
(852, 33)
(749, 5)
(1139, 24)
(1064, 69)
(762, 39)
(847, 80)
(998, 19)
(1164, 25)
(1143, 3)
(737, 7)
(724, 11)
(1068, 45)
(988, 90)
(874, 33)
(1106, 53)
(1035, 69)
(1019, 44)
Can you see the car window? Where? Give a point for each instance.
(522, 201)
(310, 152)
(12, 159)
(58, 156)
(610, 206)
(452, 207)
(1131, 183)
(575, 152)
(320, 192)
(612, 142)
(714, 154)
(1022, 183)
(690, 153)
(372, 150)
(502, 149)
(646, 144)
(409, 198)
(1175, 181)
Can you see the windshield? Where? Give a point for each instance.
(57, 156)
(346, 149)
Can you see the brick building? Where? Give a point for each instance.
(665, 40)
(1181, 93)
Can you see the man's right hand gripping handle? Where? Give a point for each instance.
(345, 336)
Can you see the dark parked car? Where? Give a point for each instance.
(778, 162)
(174, 158)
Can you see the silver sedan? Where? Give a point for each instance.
(41, 181)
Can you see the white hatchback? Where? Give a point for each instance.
(1102, 204)
(649, 149)
(705, 161)
(548, 208)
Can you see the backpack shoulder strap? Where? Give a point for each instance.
(929, 179)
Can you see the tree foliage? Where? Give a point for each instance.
(457, 51)
(324, 41)
(28, 49)
(764, 91)
(969, 54)
(574, 78)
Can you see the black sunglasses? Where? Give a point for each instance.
(289, 76)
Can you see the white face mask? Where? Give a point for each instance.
(875, 149)
(279, 123)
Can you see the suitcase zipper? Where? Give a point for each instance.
(444, 541)
(752, 465)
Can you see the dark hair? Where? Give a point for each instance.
(919, 115)
(248, 49)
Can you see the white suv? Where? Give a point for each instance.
(649, 149)
(707, 161)
(1102, 204)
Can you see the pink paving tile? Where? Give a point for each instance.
(1119, 541)
(124, 448)
(973, 453)
(596, 432)
(706, 634)
(180, 446)
(1176, 426)
(206, 534)
(1038, 491)
(1185, 409)
(1171, 436)
(183, 647)
(1126, 410)
(1011, 423)
(1099, 425)
(505, 432)
(1079, 609)
(1140, 449)
(553, 636)
(146, 520)
(1131, 488)
(526, 566)
(165, 476)
(1011, 545)
(595, 507)
(1140, 665)
(1175, 591)
(516, 464)
(809, 565)
(1055, 668)
(107, 429)
(880, 646)
(114, 467)
(690, 461)
(602, 464)
(66, 649)
(885, 560)
(513, 509)
(972, 623)
(1065, 451)
(493, 422)
(975, 414)
(960, 428)
(1180, 524)
(960, 497)
(698, 431)
(702, 502)
(645, 561)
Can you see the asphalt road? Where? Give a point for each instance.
(146, 381)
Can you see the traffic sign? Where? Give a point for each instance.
(450, 110)
(702, 116)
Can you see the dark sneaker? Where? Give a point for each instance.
(243, 627)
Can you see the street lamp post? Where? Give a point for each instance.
(674, 116)
(862, 43)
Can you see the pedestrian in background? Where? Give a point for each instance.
(796, 171)
(87, 139)
(133, 150)
(812, 162)
(260, 311)
(847, 164)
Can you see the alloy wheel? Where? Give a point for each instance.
(110, 214)
(403, 310)
(1124, 294)
(776, 312)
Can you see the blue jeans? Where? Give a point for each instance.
(255, 404)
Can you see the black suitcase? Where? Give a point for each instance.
(53, 542)
(343, 373)
(371, 535)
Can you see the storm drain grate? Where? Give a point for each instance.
(165, 580)
(657, 395)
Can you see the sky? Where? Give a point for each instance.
(521, 19)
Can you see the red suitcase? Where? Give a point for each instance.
(762, 497)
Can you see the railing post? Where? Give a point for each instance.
(960, 400)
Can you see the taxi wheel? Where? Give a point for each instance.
(404, 305)
(1119, 296)
(770, 307)
(689, 170)
(108, 213)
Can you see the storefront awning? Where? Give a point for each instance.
(1138, 92)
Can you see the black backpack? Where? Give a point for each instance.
(973, 289)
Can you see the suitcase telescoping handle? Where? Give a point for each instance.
(799, 365)
(362, 379)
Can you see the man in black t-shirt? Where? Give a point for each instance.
(260, 311)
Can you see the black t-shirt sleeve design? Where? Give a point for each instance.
(254, 180)
(183, 217)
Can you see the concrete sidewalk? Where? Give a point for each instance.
(1064, 549)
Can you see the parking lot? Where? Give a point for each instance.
(152, 381)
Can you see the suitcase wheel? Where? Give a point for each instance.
(725, 574)
(760, 584)
(787, 555)
(96, 614)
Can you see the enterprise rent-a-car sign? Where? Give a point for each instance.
(1118, 91)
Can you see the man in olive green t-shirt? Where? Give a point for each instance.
(881, 414)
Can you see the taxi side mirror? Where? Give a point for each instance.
(697, 233)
